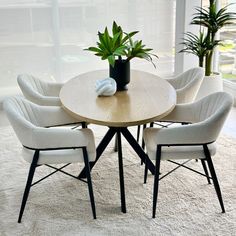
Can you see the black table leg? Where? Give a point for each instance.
(100, 149)
(121, 172)
(131, 140)
(133, 143)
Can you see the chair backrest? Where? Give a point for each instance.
(211, 112)
(186, 77)
(187, 84)
(21, 115)
(25, 117)
(38, 91)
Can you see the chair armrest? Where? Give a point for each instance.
(187, 134)
(54, 89)
(173, 82)
(43, 138)
(181, 113)
(53, 116)
(37, 98)
(47, 101)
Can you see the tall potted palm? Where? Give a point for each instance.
(210, 20)
(119, 48)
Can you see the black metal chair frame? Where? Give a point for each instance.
(207, 160)
(34, 165)
(77, 124)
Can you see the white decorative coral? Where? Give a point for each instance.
(105, 87)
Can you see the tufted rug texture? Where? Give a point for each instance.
(60, 205)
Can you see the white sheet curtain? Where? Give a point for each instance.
(47, 37)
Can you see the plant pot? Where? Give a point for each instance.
(210, 84)
(121, 74)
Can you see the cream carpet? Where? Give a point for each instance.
(60, 205)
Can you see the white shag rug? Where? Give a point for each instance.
(60, 205)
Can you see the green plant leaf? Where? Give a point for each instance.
(93, 49)
(99, 54)
(129, 35)
(119, 52)
(115, 28)
(115, 38)
(111, 60)
(104, 57)
(121, 45)
(107, 40)
(102, 39)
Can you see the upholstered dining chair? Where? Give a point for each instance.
(38, 91)
(43, 93)
(186, 85)
(193, 141)
(46, 146)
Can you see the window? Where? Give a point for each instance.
(46, 37)
(225, 59)
(227, 52)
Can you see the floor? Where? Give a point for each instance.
(60, 205)
(228, 129)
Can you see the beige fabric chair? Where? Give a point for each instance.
(38, 91)
(187, 84)
(45, 146)
(43, 93)
(193, 141)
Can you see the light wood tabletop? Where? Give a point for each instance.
(147, 99)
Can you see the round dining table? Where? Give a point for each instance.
(148, 98)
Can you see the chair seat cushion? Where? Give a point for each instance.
(58, 156)
(180, 152)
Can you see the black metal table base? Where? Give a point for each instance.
(131, 140)
(133, 143)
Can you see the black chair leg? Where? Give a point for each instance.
(90, 186)
(206, 171)
(138, 133)
(121, 173)
(115, 146)
(146, 169)
(214, 177)
(28, 184)
(145, 174)
(84, 125)
(156, 180)
(143, 144)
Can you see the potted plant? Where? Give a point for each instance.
(210, 20)
(119, 48)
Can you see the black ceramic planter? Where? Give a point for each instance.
(121, 74)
